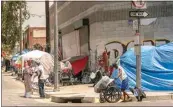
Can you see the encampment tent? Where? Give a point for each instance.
(157, 67)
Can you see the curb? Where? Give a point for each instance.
(65, 99)
(83, 99)
(48, 95)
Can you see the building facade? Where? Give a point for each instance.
(87, 25)
(33, 36)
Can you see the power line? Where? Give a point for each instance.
(36, 15)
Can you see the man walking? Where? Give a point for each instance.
(124, 79)
(39, 71)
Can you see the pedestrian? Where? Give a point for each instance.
(7, 65)
(39, 72)
(27, 74)
(2, 61)
(124, 81)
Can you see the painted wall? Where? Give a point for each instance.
(118, 35)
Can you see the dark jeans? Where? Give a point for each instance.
(41, 88)
(6, 68)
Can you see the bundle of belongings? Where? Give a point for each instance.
(138, 93)
(102, 84)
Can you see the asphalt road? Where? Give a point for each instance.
(13, 90)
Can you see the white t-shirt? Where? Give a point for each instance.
(41, 68)
(121, 71)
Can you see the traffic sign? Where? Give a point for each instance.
(138, 14)
(139, 4)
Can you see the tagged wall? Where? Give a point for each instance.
(118, 36)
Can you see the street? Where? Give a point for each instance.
(13, 90)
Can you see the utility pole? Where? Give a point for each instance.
(20, 31)
(47, 27)
(23, 34)
(139, 4)
(56, 61)
(138, 56)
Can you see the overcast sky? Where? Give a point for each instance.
(37, 8)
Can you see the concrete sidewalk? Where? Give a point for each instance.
(85, 94)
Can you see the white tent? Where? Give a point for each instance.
(43, 57)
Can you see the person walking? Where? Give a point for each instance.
(7, 65)
(124, 79)
(39, 71)
(27, 74)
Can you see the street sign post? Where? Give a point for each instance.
(135, 24)
(138, 4)
(138, 14)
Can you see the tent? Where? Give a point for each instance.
(43, 57)
(157, 67)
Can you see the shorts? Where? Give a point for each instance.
(125, 85)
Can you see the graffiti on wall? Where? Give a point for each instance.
(117, 48)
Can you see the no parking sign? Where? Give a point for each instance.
(139, 4)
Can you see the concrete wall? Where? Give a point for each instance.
(103, 33)
(109, 22)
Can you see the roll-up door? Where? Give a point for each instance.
(71, 44)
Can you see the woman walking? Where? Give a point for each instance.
(27, 74)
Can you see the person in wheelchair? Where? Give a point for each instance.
(124, 79)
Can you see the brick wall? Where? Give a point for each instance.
(30, 40)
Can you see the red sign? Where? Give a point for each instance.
(137, 34)
(138, 3)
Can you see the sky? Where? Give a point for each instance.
(37, 8)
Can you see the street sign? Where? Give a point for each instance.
(138, 14)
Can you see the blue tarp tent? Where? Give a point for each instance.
(157, 67)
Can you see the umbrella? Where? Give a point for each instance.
(43, 57)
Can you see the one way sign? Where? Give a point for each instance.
(138, 14)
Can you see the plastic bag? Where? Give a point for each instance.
(102, 84)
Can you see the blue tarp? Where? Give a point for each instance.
(16, 55)
(157, 67)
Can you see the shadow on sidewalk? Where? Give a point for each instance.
(30, 97)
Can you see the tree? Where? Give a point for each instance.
(10, 21)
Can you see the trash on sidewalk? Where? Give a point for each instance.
(138, 93)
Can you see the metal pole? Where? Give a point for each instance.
(47, 27)
(20, 31)
(23, 34)
(56, 61)
(138, 58)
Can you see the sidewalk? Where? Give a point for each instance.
(85, 94)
